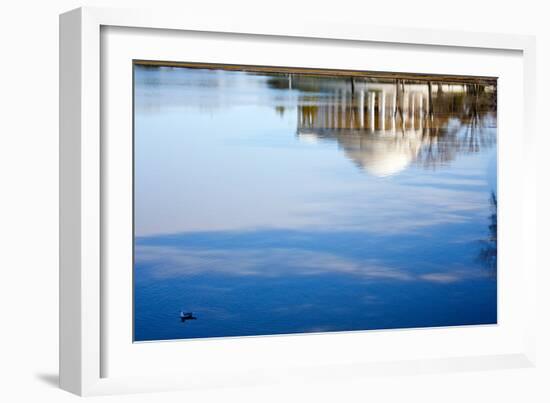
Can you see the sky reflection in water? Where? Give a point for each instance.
(269, 204)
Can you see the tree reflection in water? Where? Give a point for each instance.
(488, 253)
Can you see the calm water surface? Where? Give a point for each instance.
(272, 204)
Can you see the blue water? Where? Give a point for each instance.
(268, 204)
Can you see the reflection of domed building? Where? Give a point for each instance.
(384, 130)
(367, 134)
(379, 153)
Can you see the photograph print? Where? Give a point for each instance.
(277, 200)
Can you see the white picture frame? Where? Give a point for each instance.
(83, 261)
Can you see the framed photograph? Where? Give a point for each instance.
(246, 204)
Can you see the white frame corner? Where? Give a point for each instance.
(80, 175)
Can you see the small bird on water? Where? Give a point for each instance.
(187, 316)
